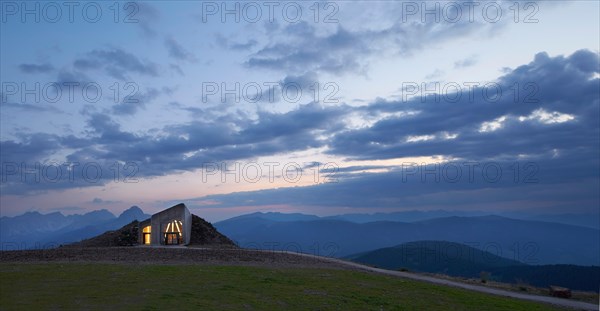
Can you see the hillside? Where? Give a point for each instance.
(460, 260)
(436, 257)
(203, 233)
(125, 236)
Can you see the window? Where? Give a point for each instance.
(173, 233)
(146, 234)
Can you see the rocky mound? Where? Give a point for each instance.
(125, 236)
(203, 233)
(174, 255)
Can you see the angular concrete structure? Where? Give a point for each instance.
(172, 226)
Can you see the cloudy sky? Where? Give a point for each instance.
(314, 107)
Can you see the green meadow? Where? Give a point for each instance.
(94, 286)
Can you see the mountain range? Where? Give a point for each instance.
(531, 242)
(527, 241)
(35, 230)
(582, 220)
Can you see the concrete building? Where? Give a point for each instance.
(172, 226)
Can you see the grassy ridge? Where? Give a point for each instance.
(157, 287)
(460, 260)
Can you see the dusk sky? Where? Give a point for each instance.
(313, 107)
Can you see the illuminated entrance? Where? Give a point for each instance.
(146, 235)
(172, 233)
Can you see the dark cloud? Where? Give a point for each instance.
(545, 164)
(72, 77)
(131, 104)
(547, 86)
(180, 147)
(35, 68)
(196, 112)
(177, 51)
(243, 46)
(305, 51)
(177, 69)
(236, 46)
(30, 148)
(299, 47)
(146, 17)
(297, 87)
(116, 63)
(108, 131)
(30, 107)
(435, 75)
(311, 117)
(553, 184)
(101, 201)
(566, 153)
(585, 61)
(467, 62)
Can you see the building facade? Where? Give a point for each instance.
(172, 226)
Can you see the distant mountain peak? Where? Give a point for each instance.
(133, 213)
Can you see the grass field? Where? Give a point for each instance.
(93, 286)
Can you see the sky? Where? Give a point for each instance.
(318, 107)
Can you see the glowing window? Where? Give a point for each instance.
(146, 234)
(173, 232)
(174, 227)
